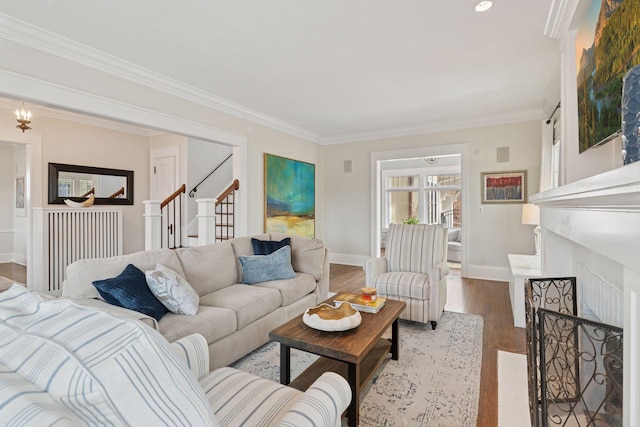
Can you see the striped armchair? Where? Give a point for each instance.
(414, 270)
(65, 364)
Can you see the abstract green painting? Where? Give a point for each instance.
(289, 196)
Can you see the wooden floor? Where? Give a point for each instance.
(483, 297)
(13, 271)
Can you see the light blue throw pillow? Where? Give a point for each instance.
(263, 268)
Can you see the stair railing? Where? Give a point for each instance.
(171, 209)
(225, 213)
(194, 190)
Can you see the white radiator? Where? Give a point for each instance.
(69, 235)
(599, 298)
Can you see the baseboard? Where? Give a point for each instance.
(348, 259)
(499, 274)
(20, 259)
(13, 257)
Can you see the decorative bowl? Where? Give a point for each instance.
(325, 317)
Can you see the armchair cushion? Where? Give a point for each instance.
(404, 284)
(415, 248)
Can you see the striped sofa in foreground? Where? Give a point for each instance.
(65, 365)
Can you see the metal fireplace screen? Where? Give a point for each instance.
(574, 364)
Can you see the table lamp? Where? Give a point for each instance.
(531, 216)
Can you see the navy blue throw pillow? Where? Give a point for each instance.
(129, 290)
(267, 247)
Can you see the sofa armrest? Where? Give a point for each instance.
(323, 283)
(194, 352)
(325, 401)
(373, 268)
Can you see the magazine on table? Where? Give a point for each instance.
(359, 304)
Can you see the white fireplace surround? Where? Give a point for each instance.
(595, 223)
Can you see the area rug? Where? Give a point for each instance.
(513, 397)
(435, 383)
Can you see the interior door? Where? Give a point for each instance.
(164, 181)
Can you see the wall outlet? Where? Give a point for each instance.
(480, 209)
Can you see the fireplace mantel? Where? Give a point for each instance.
(600, 215)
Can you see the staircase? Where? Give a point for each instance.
(164, 222)
(225, 213)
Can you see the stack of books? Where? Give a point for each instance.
(359, 304)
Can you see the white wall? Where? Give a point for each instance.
(7, 195)
(202, 158)
(80, 144)
(20, 220)
(493, 233)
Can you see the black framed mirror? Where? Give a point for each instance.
(74, 182)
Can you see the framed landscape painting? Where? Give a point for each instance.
(504, 187)
(289, 196)
(606, 48)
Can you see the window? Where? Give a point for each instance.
(428, 197)
(403, 198)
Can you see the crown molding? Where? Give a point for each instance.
(37, 38)
(54, 113)
(559, 18)
(437, 127)
(26, 34)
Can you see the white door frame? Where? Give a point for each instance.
(34, 184)
(430, 151)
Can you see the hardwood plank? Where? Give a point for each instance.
(14, 271)
(486, 298)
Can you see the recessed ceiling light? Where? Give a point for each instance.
(483, 5)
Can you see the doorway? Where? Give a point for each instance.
(423, 185)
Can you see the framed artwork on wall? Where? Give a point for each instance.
(19, 208)
(504, 187)
(606, 48)
(289, 196)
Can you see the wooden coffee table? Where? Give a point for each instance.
(355, 354)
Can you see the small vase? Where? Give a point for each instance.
(631, 116)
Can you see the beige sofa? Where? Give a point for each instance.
(234, 318)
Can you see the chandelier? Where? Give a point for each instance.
(24, 118)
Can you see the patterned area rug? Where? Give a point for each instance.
(436, 382)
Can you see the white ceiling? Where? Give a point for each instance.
(335, 69)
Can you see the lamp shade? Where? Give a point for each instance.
(530, 214)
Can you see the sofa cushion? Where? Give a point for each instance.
(129, 290)
(250, 303)
(266, 247)
(81, 274)
(212, 323)
(453, 235)
(307, 255)
(209, 268)
(291, 290)
(242, 246)
(262, 268)
(107, 370)
(172, 290)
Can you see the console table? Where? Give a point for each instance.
(522, 268)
